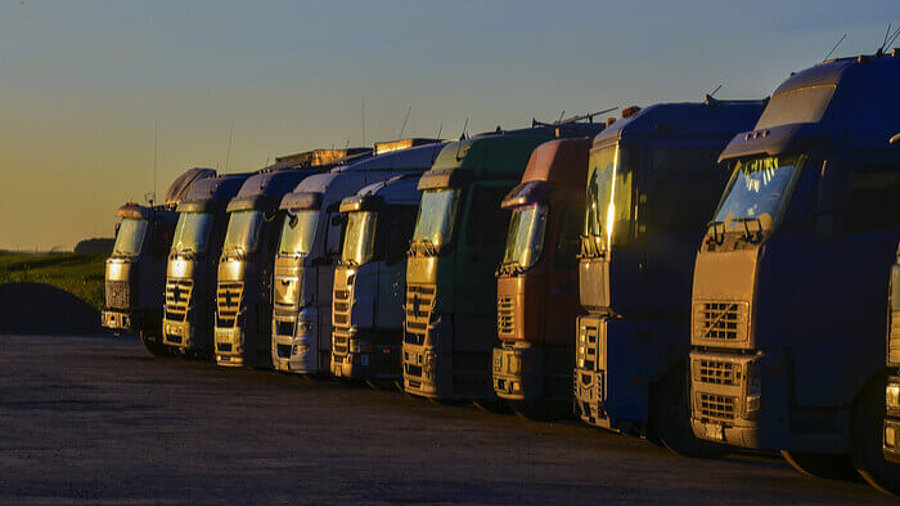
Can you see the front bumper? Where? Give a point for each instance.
(231, 347)
(518, 372)
(295, 342)
(891, 433)
(364, 356)
(180, 335)
(741, 400)
(126, 320)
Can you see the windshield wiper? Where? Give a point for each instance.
(717, 237)
(422, 247)
(751, 236)
(509, 269)
(589, 247)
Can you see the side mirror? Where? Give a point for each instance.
(895, 139)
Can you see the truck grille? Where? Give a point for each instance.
(724, 322)
(718, 372)
(894, 343)
(718, 407)
(118, 294)
(228, 302)
(506, 314)
(342, 302)
(587, 353)
(178, 298)
(419, 306)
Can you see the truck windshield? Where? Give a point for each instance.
(192, 233)
(243, 233)
(436, 215)
(298, 233)
(759, 189)
(525, 239)
(130, 237)
(608, 200)
(359, 241)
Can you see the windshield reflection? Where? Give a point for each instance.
(608, 200)
(525, 239)
(298, 233)
(192, 233)
(359, 241)
(759, 189)
(437, 212)
(130, 237)
(243, 233)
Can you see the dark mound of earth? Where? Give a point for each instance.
(35, 308)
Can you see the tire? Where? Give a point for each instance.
(153, 344)
(827, 466)
(867, 432)
(670, 418)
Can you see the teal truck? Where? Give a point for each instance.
(450, 326)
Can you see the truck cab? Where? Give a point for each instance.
(892, 391)
(537, 283)
(653, 181)
(450, 326)
(312, 234)
(244, 278)
(788, 304)
(370, 281)
(189, 304)
(136, 270)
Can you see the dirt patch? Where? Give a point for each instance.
(36, 308)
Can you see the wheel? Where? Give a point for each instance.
(670, 418)
(867, 431)
(541, 411)
(153, 344)
(828, 466)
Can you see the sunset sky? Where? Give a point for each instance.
(83, 83)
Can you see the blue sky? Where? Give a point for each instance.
(82, 83)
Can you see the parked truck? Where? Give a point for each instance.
(451, 297)
(244, 279)
(311, 238)
(370, 281)
(537, 283)
(653, 182)
(789, 306)
(136, 270)
(892, 391)
(190, 303)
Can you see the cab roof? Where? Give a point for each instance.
(560, 161)
(213, 192)
(265, 190)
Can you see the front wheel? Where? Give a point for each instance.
(867, 433)
(153, 343)
(828, 466)
(670, 418)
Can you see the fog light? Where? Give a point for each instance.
(890, 436)
(892, 396)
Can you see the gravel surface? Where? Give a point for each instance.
(96, 420)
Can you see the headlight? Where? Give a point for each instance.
(890, 436)
(428, 365)
(754, 389)
(892, 396)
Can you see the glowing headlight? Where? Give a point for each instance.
(892, 396)
(179, 267)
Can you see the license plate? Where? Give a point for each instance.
(714, 431)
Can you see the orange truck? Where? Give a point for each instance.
(537, 283)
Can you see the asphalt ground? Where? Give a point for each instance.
(96, 420)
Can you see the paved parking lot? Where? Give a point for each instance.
(88, 420)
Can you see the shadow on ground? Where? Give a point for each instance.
(36, 308)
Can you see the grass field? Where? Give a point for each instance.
(81, 275)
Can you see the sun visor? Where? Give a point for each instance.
(361, 203)
(444, 178)
(302, 200)
(791, 138)
(257, 202)
(133, 212)
(526, 193)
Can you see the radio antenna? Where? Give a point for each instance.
(461, 137)
(889, 39)
(155, 159)
(228, 149)
(403, 127)
(363, 113)
(716, 90)
(835, 47)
